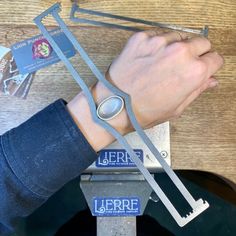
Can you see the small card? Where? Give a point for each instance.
(11, 81)
(36, 53)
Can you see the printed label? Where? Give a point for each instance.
(116, 206)
(117, 158)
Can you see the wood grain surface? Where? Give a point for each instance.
(204, 137)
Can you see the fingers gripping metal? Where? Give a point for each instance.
(197, 206)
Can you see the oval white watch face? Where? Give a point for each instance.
(110, 107)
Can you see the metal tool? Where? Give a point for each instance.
(197, 206)
(76, 9)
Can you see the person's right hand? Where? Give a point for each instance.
(163, 74)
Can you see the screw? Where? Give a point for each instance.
(164, 154)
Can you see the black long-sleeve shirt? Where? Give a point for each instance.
(38, 158)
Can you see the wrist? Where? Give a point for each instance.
(121, 122)
(97, 136)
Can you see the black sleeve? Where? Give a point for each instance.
(36, 159)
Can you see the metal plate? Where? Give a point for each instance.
(159, 135)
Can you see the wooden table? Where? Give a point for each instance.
(204, 138)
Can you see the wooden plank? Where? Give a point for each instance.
(206, 134)
(204, 138)
(105, 41)
(218, 14)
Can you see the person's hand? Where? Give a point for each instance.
(162, 74)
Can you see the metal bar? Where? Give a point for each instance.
(113, 226)
(197, 206)
(76, 8)
(109, 25)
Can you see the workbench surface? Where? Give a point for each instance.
(204, 137)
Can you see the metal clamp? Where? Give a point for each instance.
(197, 206)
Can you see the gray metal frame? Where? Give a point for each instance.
(76, 9)
(197, 206)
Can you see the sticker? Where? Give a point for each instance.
(116, 206)
(117, 158)
(11, 81)
(36, 53)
